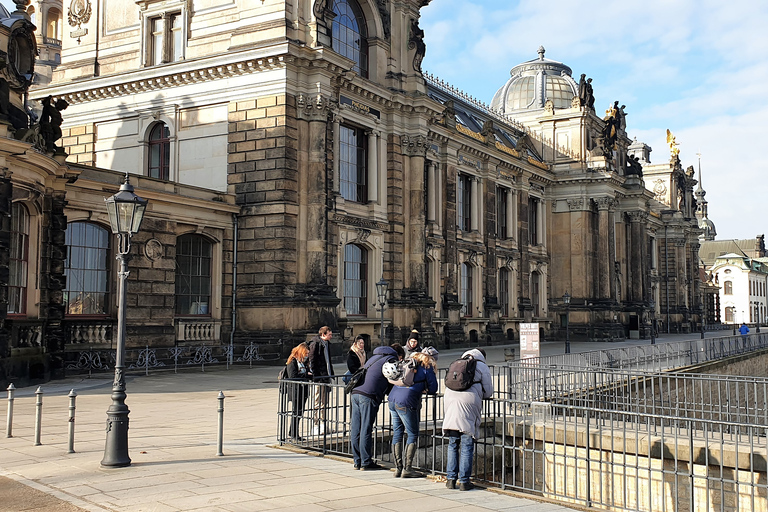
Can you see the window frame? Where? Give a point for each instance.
(504, 292)
(727, 287)
(163, 146)
(173, 39)
(533, 221)
(464, 202)
(341, 45)
(197, 262)
(106, 270)
(361, 268)
(466, 290)
(22, 283)
(353, 190)
(501, 212)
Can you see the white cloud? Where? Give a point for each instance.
(695, 67)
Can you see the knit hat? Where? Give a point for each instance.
(430, 351)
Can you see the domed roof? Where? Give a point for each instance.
(534, 82)
(708, 229)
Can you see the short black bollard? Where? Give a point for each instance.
(9, 418)
(221, 424)
(71, 428)
(38, 414)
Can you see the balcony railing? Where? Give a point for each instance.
(51, 41)
(90, 332)
(192, 329)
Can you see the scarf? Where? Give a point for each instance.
(360, 354)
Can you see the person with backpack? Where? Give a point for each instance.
(366, 398)
(320, 371)
(296, 370)
(463, 409)
(405, 410)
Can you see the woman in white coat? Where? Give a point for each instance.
(461, 422)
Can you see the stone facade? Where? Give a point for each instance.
(343, 170)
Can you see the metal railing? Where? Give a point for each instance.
(157, 359)
(614, 431)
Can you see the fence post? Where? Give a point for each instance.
(38, 414)
(221, 424)
(146, 361)
(9, 419)
(71, 424)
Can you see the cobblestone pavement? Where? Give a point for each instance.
(172, 441)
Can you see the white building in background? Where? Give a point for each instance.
(743, 281)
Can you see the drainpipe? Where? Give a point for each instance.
(666, 273)
(234, 290)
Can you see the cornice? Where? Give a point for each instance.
(149, 79)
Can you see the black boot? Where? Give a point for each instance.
(410, 453)
(397, 451)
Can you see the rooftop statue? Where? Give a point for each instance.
(673, 149)
(50, 122)
(416, 42)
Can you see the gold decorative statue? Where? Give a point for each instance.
(672, 144)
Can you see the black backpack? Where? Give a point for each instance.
(461, 374)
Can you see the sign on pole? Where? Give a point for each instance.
(529, 340)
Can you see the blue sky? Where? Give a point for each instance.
(698, 68)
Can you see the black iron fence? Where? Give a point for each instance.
(594, 435)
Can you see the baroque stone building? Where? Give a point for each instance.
(295, 154)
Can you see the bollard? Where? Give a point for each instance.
(38, 414)
(71, 428)
(9, 419)
(221, 423)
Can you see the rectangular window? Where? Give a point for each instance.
(165, 41)
(86, 269)
(464, 202)
(353, 160)
(466, 290)
(728, 288)
(504, 292)
(501, 212)
(535, 294)
(355, 280)
(18, 263)
(533, 220)
(193, 275)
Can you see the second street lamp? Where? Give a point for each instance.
(126, 211)
(567, 302)
(381, 293)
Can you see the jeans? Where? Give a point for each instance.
(405, 420)
(364, 410)
(460, 463)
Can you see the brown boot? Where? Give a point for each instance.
(408, 471)
(397, 451)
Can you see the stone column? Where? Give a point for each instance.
(511, 220)
(54, 247)
(637, 261)
(414, 149)
(604, 236)
(373, 164)
(316, 113)
(6, 194)
(432, 192)
(475, 216)
(682, 274)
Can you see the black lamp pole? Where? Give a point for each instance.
(126, 211)
(381, 292)
(567, 302)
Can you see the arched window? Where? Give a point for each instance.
(467, 307)
(729, 315)
(86, 269)
(53, 24)
(355, 279)
(728, 288)
(504, 291)
(159, 152)
(193, 275)
(349, 34)
(18, 263)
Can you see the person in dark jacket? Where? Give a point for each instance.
(320, 370)
(412, 346)
(405, 410)
(366, 399)
(297, 392)
(356, 357)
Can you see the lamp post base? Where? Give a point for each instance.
(116, 449)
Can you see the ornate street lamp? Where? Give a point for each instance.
(652, 305)
(567, 302)
(757, 315)
(381, 293)
(126, 211)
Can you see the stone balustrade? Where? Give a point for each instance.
(192, 329)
